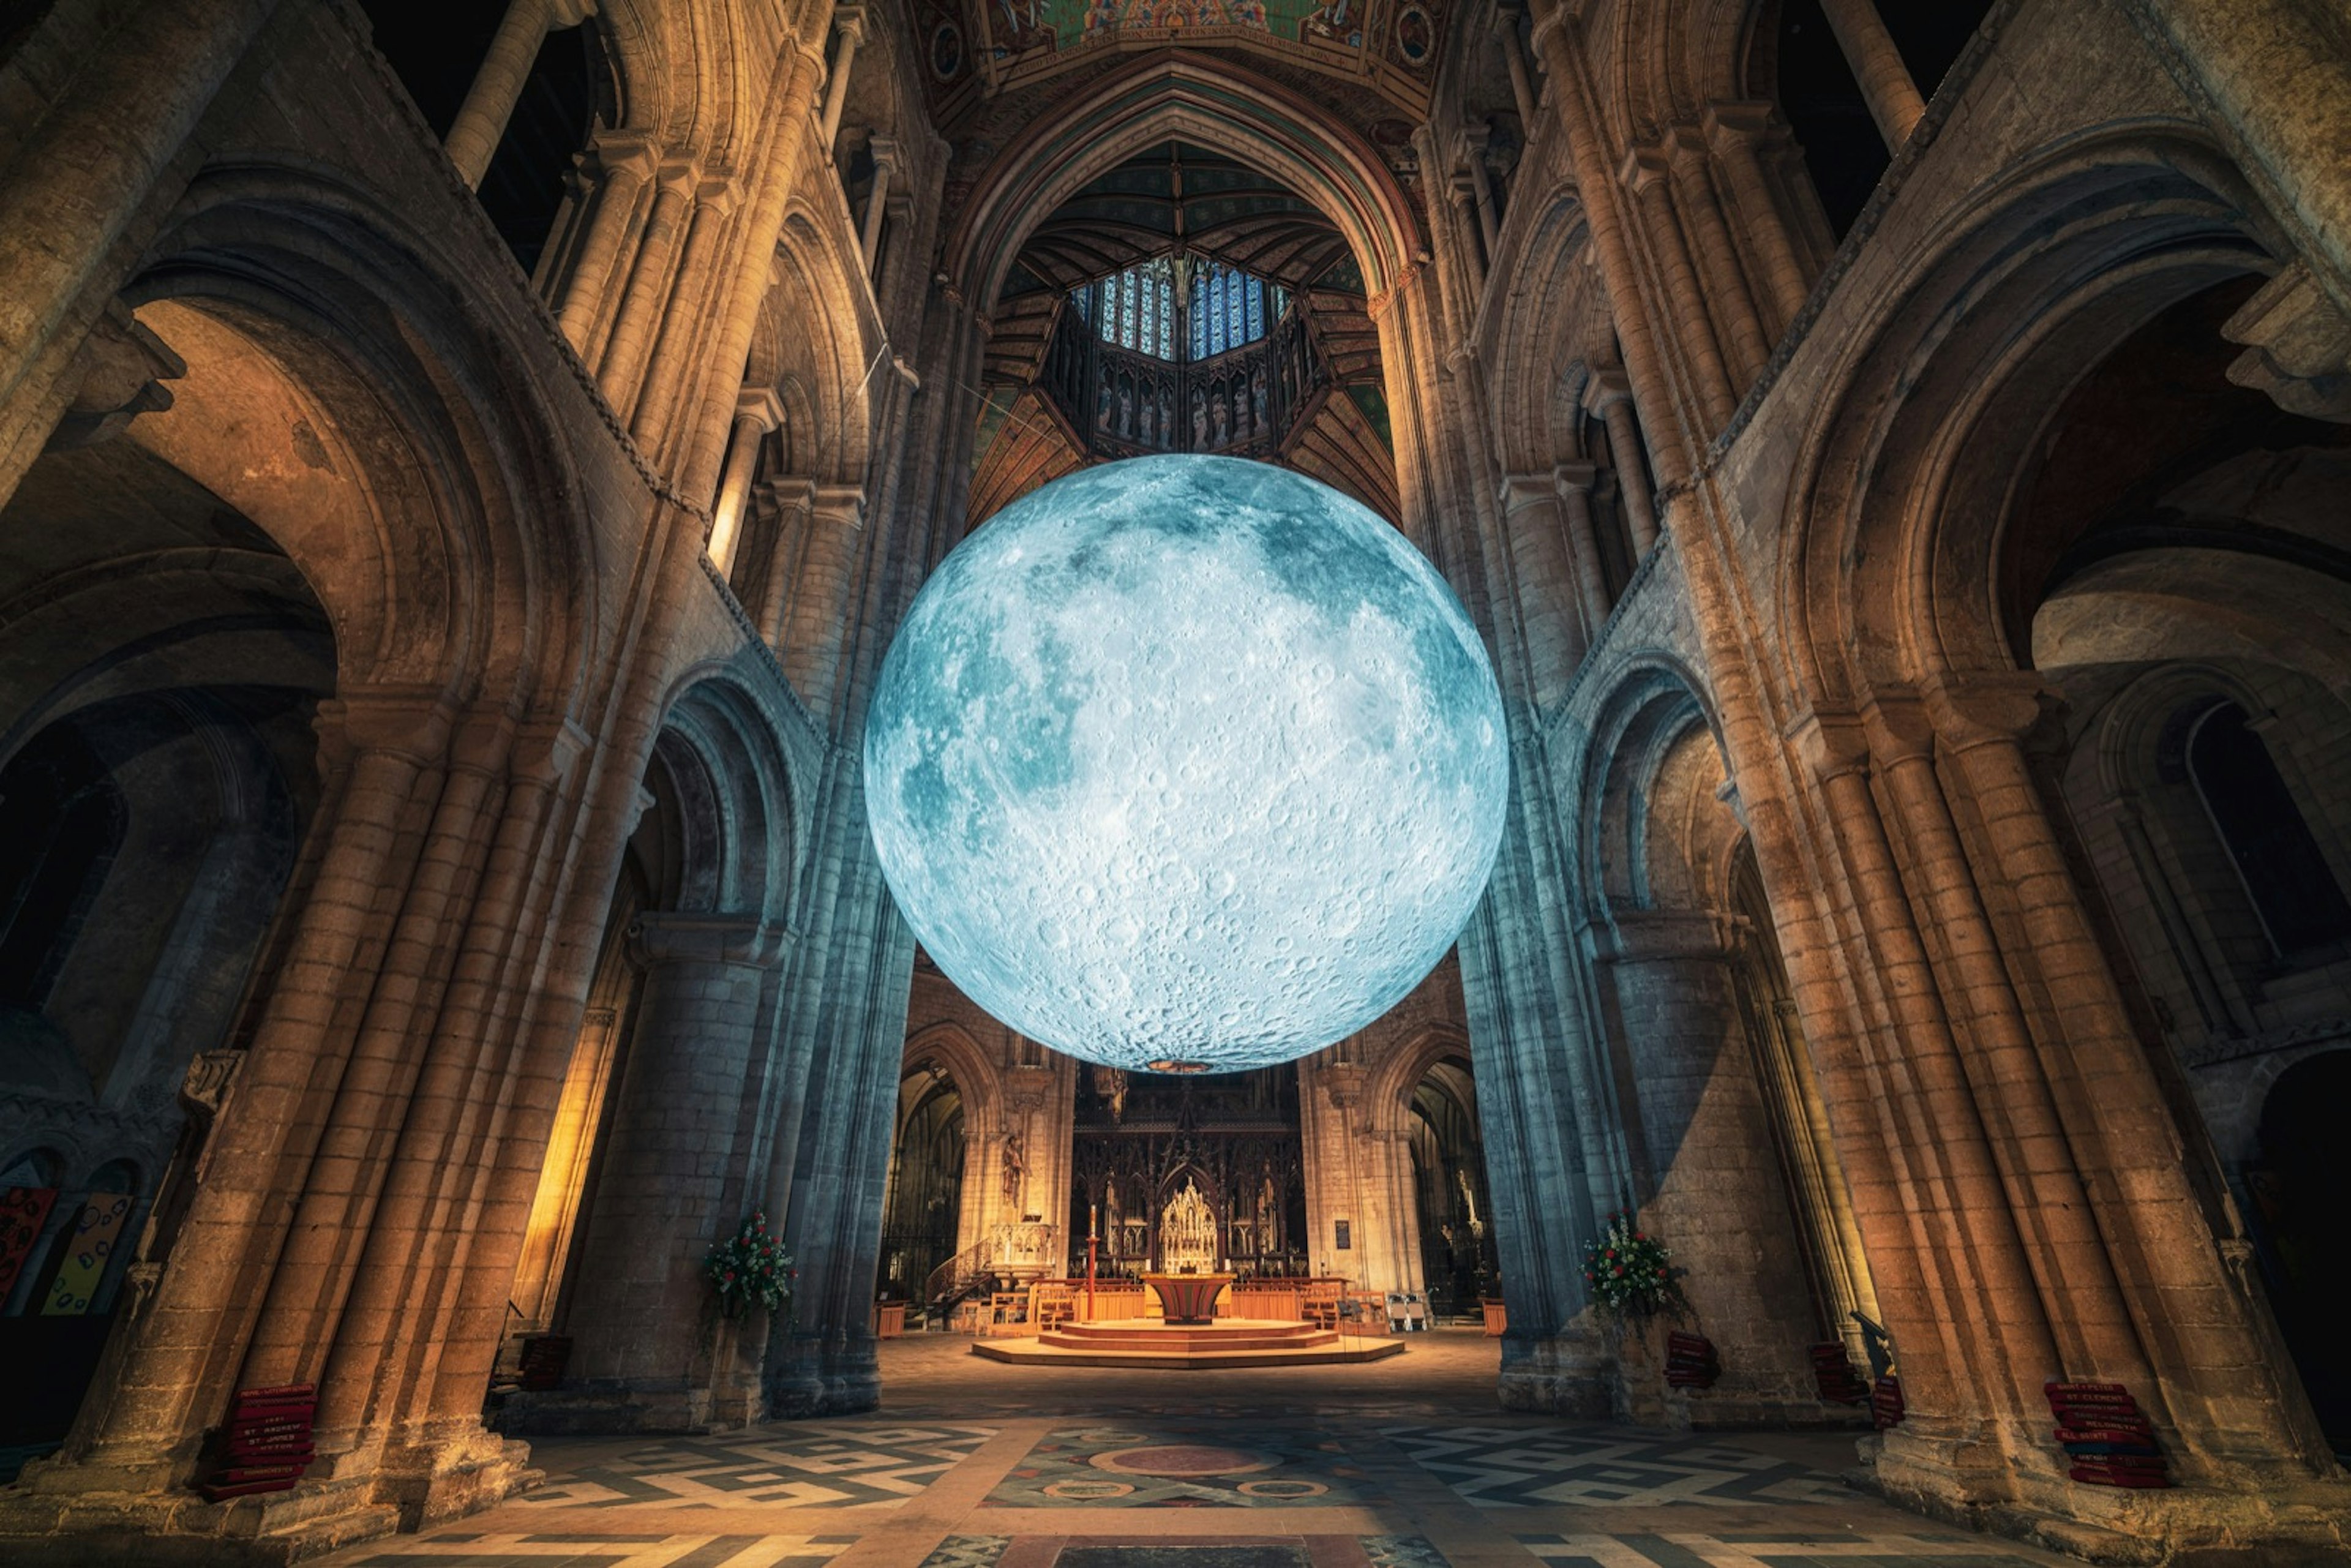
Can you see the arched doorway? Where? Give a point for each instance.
(921, 1213)
(1458, 1266)
(2300, 1187)
(162, 673)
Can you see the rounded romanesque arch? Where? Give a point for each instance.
(1179, 95)
(1903, 485)
(1937, 498)
(404, 472)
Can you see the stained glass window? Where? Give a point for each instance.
(1135, 310)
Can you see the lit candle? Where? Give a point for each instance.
(1093, 1211)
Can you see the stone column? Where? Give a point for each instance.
(1942, 1234)
(877, 200)
(2033, 1152)
(670, 380)
(1893, 97)
(760, 412)
(632, 328)
(1709, 1183)
(1482, 183)
(1574, 483)
(1466, 228)
(624, 161)
(1612, 397)
(1556, 38)
(1644, 172)
(480, 123)
(379, 750)
(2145, 1245)
(793, 499)
(1732, 130)
(1718, 254)
(668, 1190)
(2272, 80)
(68, 193)
(816, 634)
(1547, 584)
(302, 1313)
(1514, 56)
(850, 23)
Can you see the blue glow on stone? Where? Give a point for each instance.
(1187, 760)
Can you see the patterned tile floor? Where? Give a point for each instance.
(1403, 1465)
(818, 1465)
(1511, 1467)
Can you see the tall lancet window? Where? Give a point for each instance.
(1134, 309)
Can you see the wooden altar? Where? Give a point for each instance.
(1188, 1298)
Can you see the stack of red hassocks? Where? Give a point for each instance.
(2110, 1441)
(1834, 1375)
(1691, 1361)
(267, 1441)
(1886, 1403)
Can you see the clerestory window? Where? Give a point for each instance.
(1223, 308)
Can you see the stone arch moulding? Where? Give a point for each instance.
(1387, 1101)
(742, 851)
(973, 1075)
(821, 360)
(1179, 95)
(418, 476)
(1890, 579)
(1547, 329)
(1656, 701)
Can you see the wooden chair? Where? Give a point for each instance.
(1053, 1307)
(1007, 1314)
(1321, 1304)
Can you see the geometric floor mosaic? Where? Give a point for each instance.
(1505, 1467)
(567, 1549)
(1783, 1549)
(1188, 1465)
(1409, 1465)
(796, 1466)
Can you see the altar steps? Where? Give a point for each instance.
(1229, 1341)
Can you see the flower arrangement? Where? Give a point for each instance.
(751, 1266)
(1631, 1276)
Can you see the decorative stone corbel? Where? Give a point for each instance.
(124, 366)
(2298, 347)
(204, 1089)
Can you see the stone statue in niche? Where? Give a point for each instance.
(1199, 420)
(1222, 418)
(1256, 398)
(1016, 1170)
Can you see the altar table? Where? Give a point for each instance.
(1188, 1298)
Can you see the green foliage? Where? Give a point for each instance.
(752, 1266)
(1631, 1275)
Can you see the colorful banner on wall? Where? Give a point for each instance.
(23, 1211)
(94, 1233)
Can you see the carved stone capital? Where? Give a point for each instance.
(1606, 386)
(1986, 708)
(1520, 491)
(678, 936)
(1830, 743)
(760, 405)
(1575, 477)
(204, 1089)
(1898, 727)
(409, 722)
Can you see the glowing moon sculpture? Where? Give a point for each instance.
(1184, 764)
